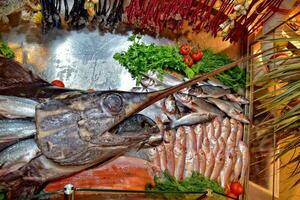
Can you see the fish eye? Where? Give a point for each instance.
(113, 103)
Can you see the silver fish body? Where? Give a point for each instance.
(225, 129)
(239, 134)
(212, 91)
(217, 126)
(219, 162)
(230, 109)
(245, 158)
(209, 165)
(214, 146)
(169, 141)
(14, 129)
(198, 105)
(202, 161)
(210, 130)
(179, 153)
(231, 141)
(238, 165)
(17, 107)
(217, 84)
(227, 169)
(237, 99)
(192, 119)
(18, 155)
(199, 135)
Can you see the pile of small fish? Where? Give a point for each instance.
(198, 136)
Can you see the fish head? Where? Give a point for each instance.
(82, 128)
(241, 117)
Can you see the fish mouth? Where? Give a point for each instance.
(141, 129)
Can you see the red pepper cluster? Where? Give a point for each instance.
(190, 55)
(158, 15)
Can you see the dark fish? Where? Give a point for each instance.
(28, 179)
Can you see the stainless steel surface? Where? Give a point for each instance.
(82, 60)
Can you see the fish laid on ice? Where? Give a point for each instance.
(192, 119)
(231, 141)
(245, 158)
(239, 134)
(217, 126)
(237, 99)
(219, 162)
(202, 161)
(227, 169)
(179, 153)
(230, 109)
(225, 129)
(16, 107)
(209, 165)
(18, 155)
(210, 130)
(208, 91)
(198, 105)
(169, 141)
(199, 135)
(238, 165)
(14, 129)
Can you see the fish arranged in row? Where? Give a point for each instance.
(204, 98)
(204, 149)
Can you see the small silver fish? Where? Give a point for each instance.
(16, 156)
(169, 141)
(198, 105)
(17, 107)
(245, 157)
(14, 129)
(238, 165)
(219, 162)
(179, 153)
(227, 169)
(217, 83)
(170, 109)
(210, 130)
(240, 133)
(209, 166)
(162, 157)
(225, 129)
(237, 99)
(191, 145)
(231, 141)
(202, 161)
(230, 109)
(221, 144)
(192, 119)
(217, 126)
(199, 135)
(213, 91)
(167, 79)
(214, 146)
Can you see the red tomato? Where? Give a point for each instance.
(188, 60)
(236, 188)
(196, 55)
(58, 83)
(230, 194)
(185, 49)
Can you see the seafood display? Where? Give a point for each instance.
(76, 130)
(207, 138)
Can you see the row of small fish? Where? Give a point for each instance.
(214, 149)
(204, 99)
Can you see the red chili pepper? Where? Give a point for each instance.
(185, 49)
(196, 55)
(58, 83)
(188, 61)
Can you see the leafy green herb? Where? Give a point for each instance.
(5, 51)
(141, 58)
(235, 78)
(194, 183)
